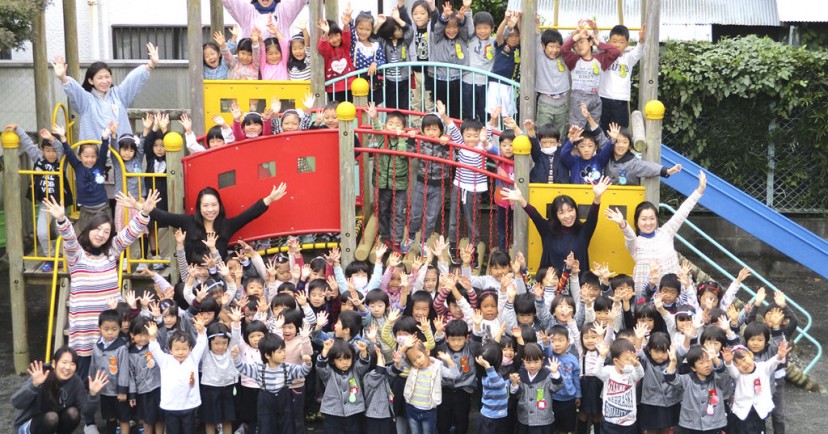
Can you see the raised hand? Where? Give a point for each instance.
(615, 216)
(614, 131)
(37, 373)
(393, 315)
(98, 382)
(702, 182)
(513, 195)
(600, 187)
(55, 209)
(371, 333)
(152, 53)
(321, 320)
(234, 351)
(779, 299)
(554, 365)
(326, 347)
(59, 65)
(482, 362)
(514, 377)
(235, 315)
(152, 329)
(275, 194)
(186, 123)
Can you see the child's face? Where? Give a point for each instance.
(420, 310)
(488, 307)
(254, 338)
(420, 16)
(100, 235)
(289, 331)
(219, 345)
(549, 142)
(756, 343)
(714, 343)
(526, 318)
(142, 340)
(533, 366)
(498, 271)
(619, 42)
(126, 153)
(622, 146)
(583, 48)
(335, 39)
(297, 48)
(628, 358)
(452, 29)
(170, 321)
(589, 290)
(668, 295)
(393, 123)
(559, 344)
(483, 31)
(602, 316)
(290, 123)
(659, 356)
(430, 280)
(586, 149)
(456, 343)
(158, 148)
(646, 322)
(283, 272)
(343, 363)
(235, 268)
(252, 129)
(277, 310)
(277, 357)
(329, 118)
(471, 136)
(212, 58)
(552, 50)
(506, 149)
(215, 142)
(513, 40)
(273, 55)
(317, 297)
(703, 366)
(339, 331)
(49, 154)
(590, 339)
(394, 282)
(647, 221)
(180, 350)
(509, 353)
(455, 311)
(207, 316)
(363, 30)
(125, 327)
(417, 358)
(708, 300)
(377, 308)
(745, 364)
(559, 314)
(89, 156)
(245, 57)
(346, 305)
(432, 131)
(254, 288)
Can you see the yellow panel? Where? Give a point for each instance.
(245, 90)
(607, 243)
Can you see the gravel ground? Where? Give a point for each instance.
(804, 410)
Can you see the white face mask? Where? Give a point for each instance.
(506, 361)
(549, 151)
(628, 369)
(360, 282)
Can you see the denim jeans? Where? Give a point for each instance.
(430, 197)
(421, 421)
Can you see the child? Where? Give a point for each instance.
(111, 354)
(506, 65)
(660, 403)
(132, 156)
(249, 348)
(703, 390)
(586, 71)
(495, 398)
(591, 386)
(156, 162)
(218, 381)
(505, 213)
(273, 405)
(180, 395)
(620, 380)
(423, 392)
(292, 119)
(218, 135)
(752, 400)
(651, 243)
(334, 46)
(585, 167)
(343, 402)
(457, 393)
(552, 83)
(614, 87)
(534, 386)
(274, 66)
(214, 66)
(396, 35)
(367, 53)
(244, 65)
(624, 167)
(297, 343)
(566, 399)
(144, 378)
(422, 14)
(250, 125)
(429, 191)
(468, 186)
(481, 57)
(448, 45)
(548, 166)
(379, 406)
(46, 159)
(298, 64)
(90, 173)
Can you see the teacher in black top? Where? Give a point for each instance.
(564, 232)
(210, 218)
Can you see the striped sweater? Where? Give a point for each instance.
(271, 379)
(94, 280)
(495, 400)
(465, 178)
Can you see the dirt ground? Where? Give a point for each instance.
(805, 411)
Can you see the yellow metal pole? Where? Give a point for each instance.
(51, 326)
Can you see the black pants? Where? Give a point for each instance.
(454, 411)
(397, 94)
(179, 422)
(275, 412)
(613, 110)
(343, 425)
(449, 93)
(63, 422)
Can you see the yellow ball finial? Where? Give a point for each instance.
(10, 140)
(654, 110)
(360, 87)
(345, 111)
(521, 145)
(173, 142)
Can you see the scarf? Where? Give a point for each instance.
(264, 10)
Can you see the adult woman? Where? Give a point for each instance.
(651, 244)
(93, 265)
(52, 400)
(97, 101)
(255, 13)
(210, 219)
(564, 233)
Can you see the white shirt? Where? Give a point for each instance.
(179, 380)
(616, 80)
(745, 395)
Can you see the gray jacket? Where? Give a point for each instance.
(144, 373)
(545, 384)
(696, 396)
(114, 361)
(464, 359)
(635, 168)
(338, 385)
(378, 393)
(400, 52)
(654, 390)
(453, 51)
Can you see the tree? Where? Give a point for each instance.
(16, 21)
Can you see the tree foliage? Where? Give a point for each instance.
(16, 21)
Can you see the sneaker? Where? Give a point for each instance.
(141, 429)
(140, 267)
(157, 266)
(241, 430)
(90, 429)
(405, 246)
(219, 429)
(117, 430)
(46, 267)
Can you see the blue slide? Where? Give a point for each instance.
(749, 214)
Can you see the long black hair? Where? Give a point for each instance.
(90, 74)
(86, 243)
(200, 219)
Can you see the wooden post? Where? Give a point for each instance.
(555, 8)
(70, 38)
(196, 70)
(174, 147)
(621, 12)
(346, 112)
(648, 92)
(331, 10)
(14, 247)
(528, 40)
(359, 89)
(216, 16)
(317, 62)
(522, 149)
(43, 107)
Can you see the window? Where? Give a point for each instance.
(227, 179)
(130, 42)
(5, 54)
(267, 170)
(306, 165)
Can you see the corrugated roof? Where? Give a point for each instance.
(791, 11)
(673, 12)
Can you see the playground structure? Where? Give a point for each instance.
(243, 170)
